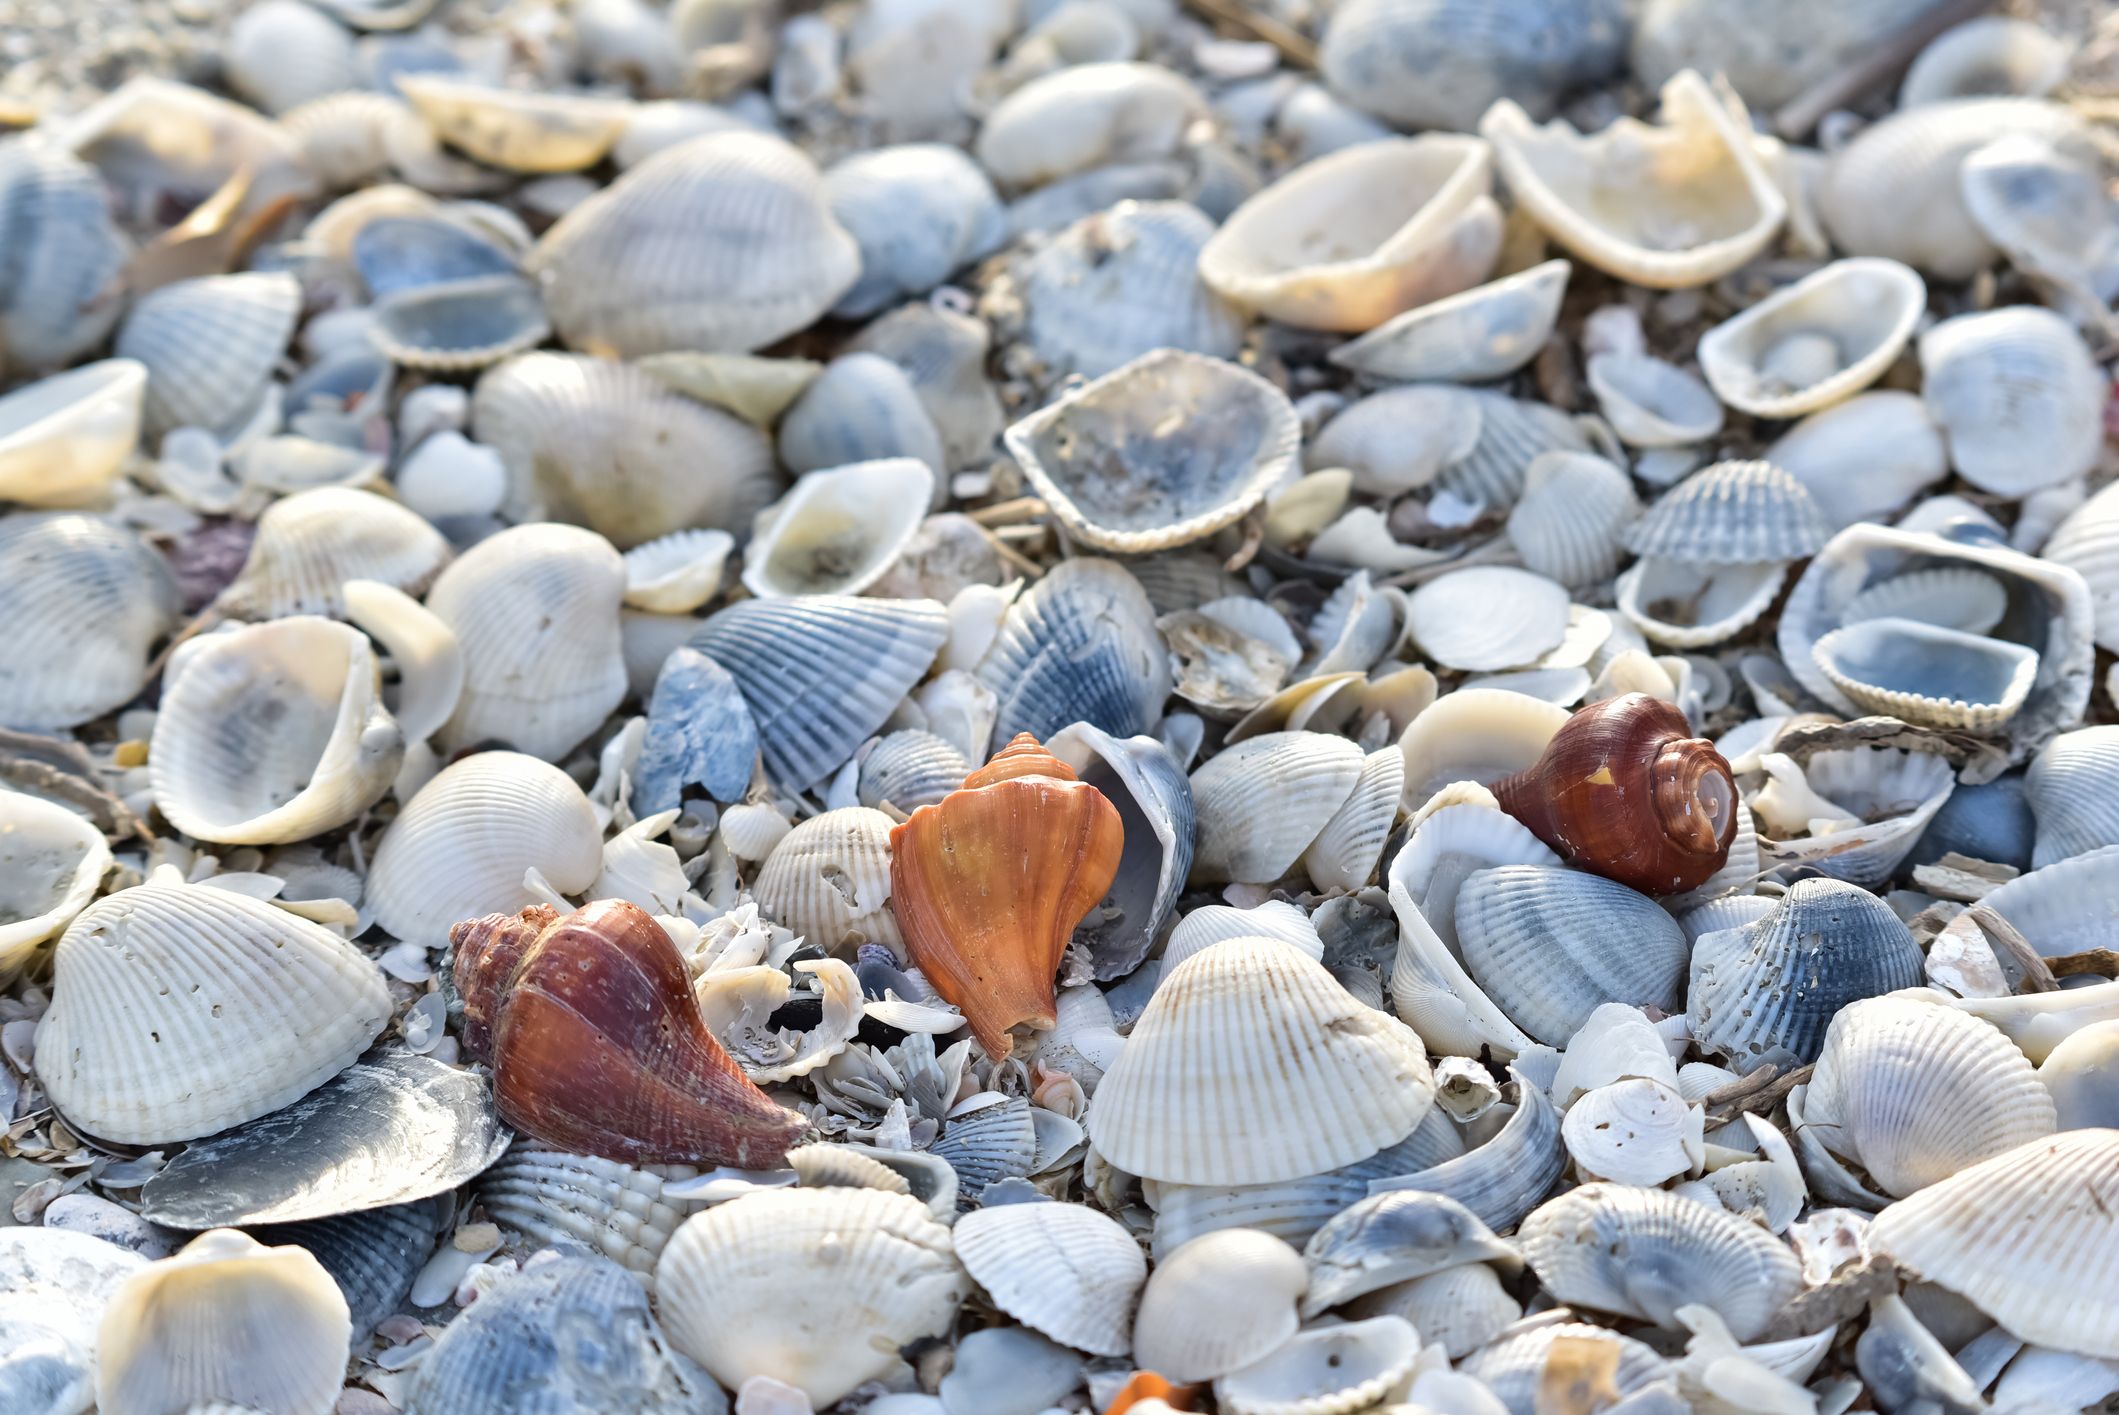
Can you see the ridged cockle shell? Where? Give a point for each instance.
(597, 1044)
(988, 885)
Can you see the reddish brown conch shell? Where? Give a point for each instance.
(597, 1045)
(988, 884)
(1626, 791)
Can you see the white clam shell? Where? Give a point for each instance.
(1345, 853)
(341, 136)
(1263, 801)
(1512, 433)
(1326, 1371)
(2087, 542)
(1950, 597)
(282, 54)
(1568, 523)
(676, 573)
(52, 861)
(2018, 396)
(1392, 1236)
(2072, 788)
(309, 544)
(2079, 1075)
(1690, 606)
(1925, 674)
(1865, 808)
(1992, 54)
(829, 880)
(85, 600)
(943, 352)
(1399, 439)
(1864, 459)
(1487, 617)
(1463, 1308)
(838, 530)
(516, 129)
(63, 439)
(1476, 335)
(1634, 1131)
(1210, 924)
(861, 408)
(1216, 1303)
(1089, 115)
(2044, 204)
(619, 1210)
(1617, 1042)
(1080, 645)
(178, 1010)
(1732, 513)
(1513, 1368)
(454, 326)
(919, 212)
(1064, 1269)
(1815, 342)
(1651, 402)
(1442, 63)
(461, 846)
(209, 345)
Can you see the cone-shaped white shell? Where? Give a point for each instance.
(514, 129)
(620, 1210)
(838, 530)
(829, 880)
(51, 863)
(1263, 801)
(84, 601)
(64, 438)
(536, 611)
(311, 543)
(227, 1319)
(874, 1270)
(460, 848)
(1568, 522)
(1064, 1269)
(1326, 1371)
(1487, 617)
(2030, 1237)
(1216, 1303)
(2017, 395)
(209, 345)
(723, 243)
(1483, 333)
(1926, 674)
(1818, 341)
(1088, 115)
(1677, 204)
(1350, 239)
(1252, 1064)
(178, 1010)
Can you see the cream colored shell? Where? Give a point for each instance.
(1217, 1303)
(1327, 1370)
(52, 861)
(1816, 342)
(1483, 333)
(513, 129)
(1064, 1269)
(84, 602)
(1085, 116)
(828, 880)
(309, 544)
(839, 530)
(63, 439)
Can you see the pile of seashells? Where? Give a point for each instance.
(994, 707)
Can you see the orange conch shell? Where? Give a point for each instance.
(988, 885)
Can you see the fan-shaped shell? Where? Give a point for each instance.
(1263, 801)
(624, 273)
(1345, 853)
(209, 345)
(1733, 513)
(1064, 1269)
(1325, 1371)
(862, 407)
(1084, 116)
(2087, 542)
(1390, 1237)
(911, 769)
(52, 862)
(1815, 342)
(64, 254)
(1216, 1303)
(1926, 674)
(875, 1270)
(2073, 792)
(1140, 777)
(460, 847)
(1863, 459)
(829, 880)
(617, 1209)
(178, 1010)
(85, 600)
(63, 439)
(513, 129)
(1079, 646)
(919, 212)
(1443, 63)
(838, 530)
(309, 544)
(2017, 395)
(1574, 508)
(1487, 617)
(1949, 597)
(1479, 334)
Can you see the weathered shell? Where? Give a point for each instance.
(340, 137)
(1515, 1367)
(838, 530)
(1464, 1307)
(829, 880)
(1817, 341)
(2044, 204)
(209, 345)
(1487, 617)
(52, 862)
(1079, 646)
(1926, 674)
(861, 408)
(1443, 63)
(676, 573)
(2017, 395)
(86, 600)
(2087, 542)
(1732, 513)
(514, 129)
(1393, 1237)
(1479, 334)
(1064, 1269)
(309, 544)
(1401, 438)
(623, 273)
(919, 213)
(459, 325)
(617, 1209)
(1263, 801)
(1216, 1303)
(911, 769)
(1144, 781)
(1345, 853)
(1863, 459)
(2079, 1075)
(1951, 597)
(1573, 511)
(1651, 402)
(2073, 792)
(63, 439)
(1088, 115)
(1512, 432)
(64, 254)
(1325, 1371)
(1214, 923)
(54, 1286)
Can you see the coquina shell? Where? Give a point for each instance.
(1817, 341)
(1216, 1303)
(623, 272)
(52, 862)
(273, 733)
(617, 1209)
(1085, 116)
(1064, 1269)
(829, 880)
(1079, 646)
(85, 600)
(2017, 395)
(1263, 801)
(209, 345)
(1483, 333)
(1443, 63)
(63, 439)
(2073, 792)
(919, 213)
(876, 1273)
(178, 1010)
(1312, 1078)
(459, 848)
(309, 544)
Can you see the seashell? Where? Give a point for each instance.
(52, 862)
(676, 573)
(226, 1318)
(1568, 523)
(281, 54)
(341, 137)
(861, 408)
(1504, 1178)
(1895, 190)
(2069, 790)
(1110, 462)
(1550, 946)
(65, 255)
(607, 446)
(1079, 646)
(822, 672)
(992, 1143)
(619, 1210)
(1310, 1050)
(1008, 1368)
(310, 543)
(1690, 606)
(1864, 459)
(394, 1128)
(1866, 810)
(460, 324)
(2078, 1074)
(1264, 801)
(1651, 403)
(1063, 1269)
(879, 1274)
(838, 530)
(64, 439)
(1474, 336)
(1993, 1233)
(911, 769)
(1120, 283)
(1401, 438)
(1085, 116)
(1517, 1366)
(1394, 1237)
(1670, 205)
(1346, 852)
(1213, 923)
(209, 346)
(1512, 433)
(919, 213)
(1622, 791)
(754, 388)
(1442, 63)
(463, 844)
(160, 1028)
(1635, 1131)
(1988, 56)
(1318, 251)
(2087, 542)
(2017, 396)
(1475, 734)
(1463, 1308)
(1815, 342)
(1776, 983)
(830, 880)
(154, 135)
(1643, 1253)
(516, 130)
(1329, 1369)
(1732, 513)
(2044, 204)
(57, 1284)
(988, 946)
(943, 354)
(1155, 809)
(1953, 597)
(374, 1256)
(622, 273)
(1925, 674)
(1491, 616)
(1213, 1305)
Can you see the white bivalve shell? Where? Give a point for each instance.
(1064, 1269)
(1326, 1371)
(1983, 57)
(63, 439)
(920, 212)
(1864, 459)
(1442, 63)
(515, 129)
(209, 345)
(178, 1010)
(839, 530)
(1479, 334)
(52, 861)
(2018, 396)
(309, 544)
(1928, 674)
(1487, 617)
(1574, 510)
(1262, 802)
(84, 601)
(619, 1210)
(1087, 116)
(2087, 542)
(1816, 342)
(1216, 1303)
(282, 54)
(829, 879)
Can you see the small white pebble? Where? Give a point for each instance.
(478, 1237)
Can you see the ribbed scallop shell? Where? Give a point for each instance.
(997, 1141)
(919, 213)
(1345, 853)
(1568, 522)
(1925, 674)
(1325, 1371)
(1512, 432)
(1644, 1253)
(829, 880)
(1733, 513)
(1688, 606)
(1352, 238)
(874, 1270)
(1514, 1368)
(178, 1010)
(2073, 792)
(1914, 1093)
(1464, 1307)
(861, 408)
(1777, 983)
(1079, 646)
(607, 446)
(1815, 342)
(373, 1254)
(281, 54)
(1476, 335)
(1217, 1303)
(64, 439)
(1390, 1237)
(2018, 397)
(2087, 542)
(309, 544)
(721, 243)
(911, 769)
(1651, 402)
(2030, 1237)
(209, 345)
(1263, 801)
(1084, 116)
(1892, 793)
(1064, 1269)
(1252, 1064)
(1443, 63)
(839, 530)
(84, 601)
(459, 848)
(1672, 205)
(273, 733)
(1863, 459)
(340, 136)
(536, 611)
(60, 254)
(821, 673)
(52, 861)
(1486, 617)
(514, 129)
(1551, 945)
(1950, 597)
(619, 1210)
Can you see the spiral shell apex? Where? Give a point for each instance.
(1624, 790)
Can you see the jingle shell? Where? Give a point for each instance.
(1262, 802)
(309, 544)
(830, 880)
(87, 601)
(1474, 336)
(1442, 63)
(1815, 342)
(208, 346)
(52, 862)
(2017, 396)
(1080, 645)
(1064, 1269)
(1216, 1303)
(64, 439)
(1140, 777)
